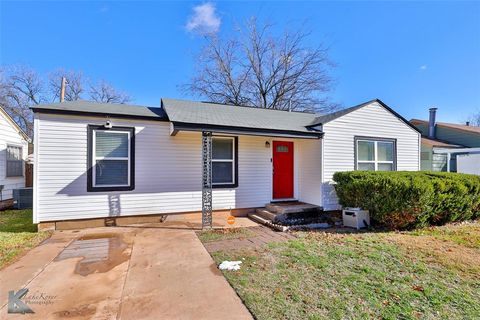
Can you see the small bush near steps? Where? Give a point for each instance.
(405, 200)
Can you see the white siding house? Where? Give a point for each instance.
(13, 153)
(168, 171)
(166, 162)
(371, 121)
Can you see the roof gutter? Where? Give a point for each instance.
(181, 126)
(454, 150)
(96, 114)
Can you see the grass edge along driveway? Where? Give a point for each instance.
(410, 275)
(18, 234)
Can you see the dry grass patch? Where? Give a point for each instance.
(463, 233)
(357, 276)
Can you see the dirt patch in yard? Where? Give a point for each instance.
(446, 252)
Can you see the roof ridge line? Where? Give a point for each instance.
(242, 106)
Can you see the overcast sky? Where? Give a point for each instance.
(412, 55)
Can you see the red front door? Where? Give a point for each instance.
(282, 169)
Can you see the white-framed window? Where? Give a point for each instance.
(375, 154)
(111, 159)
(224, 161)
(14, 161)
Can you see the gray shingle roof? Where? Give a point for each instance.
(114, 109)
(196, 113)
(213, 114)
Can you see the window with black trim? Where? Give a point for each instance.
(375, 154)
(14, 161)
(111, 158)
(224, 162)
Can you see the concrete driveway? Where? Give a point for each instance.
(121, 273)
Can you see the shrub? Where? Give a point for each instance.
(405, 199)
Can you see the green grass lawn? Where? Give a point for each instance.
(362, 276)
(224, 234)
(17, 235)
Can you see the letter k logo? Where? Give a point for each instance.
(15, 305)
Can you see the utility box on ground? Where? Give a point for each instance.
(356, 218)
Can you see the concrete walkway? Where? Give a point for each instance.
(140, 272)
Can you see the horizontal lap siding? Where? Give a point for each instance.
(167, 172)
(9, 135)
(310, 171)
(372, 121)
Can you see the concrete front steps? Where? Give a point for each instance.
(275, 212)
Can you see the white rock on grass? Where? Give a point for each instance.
(230, 265)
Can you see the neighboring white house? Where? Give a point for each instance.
(101, 160)
(13, 154)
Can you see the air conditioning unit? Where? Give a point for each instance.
(356, 218)
(22, 198)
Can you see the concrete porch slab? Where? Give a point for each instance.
(193, 221)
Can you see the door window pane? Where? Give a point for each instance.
(282, 149)
(111, 172)
(366, 150)
(111, 144)
(222, 148)
(366, 166)
(385, 151)
(222, 172)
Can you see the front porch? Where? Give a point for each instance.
(287, 169)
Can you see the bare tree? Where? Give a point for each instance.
(74, 85)
(475, 119)
(21, 87)
(258, 69)
(104, 92)
(221, 76)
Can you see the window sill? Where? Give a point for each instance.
(106, 189)
(225, 186)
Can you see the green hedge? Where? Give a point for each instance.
(404, 200)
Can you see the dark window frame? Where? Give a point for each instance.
(91, 164)
(381, 139)
(235, 166)
(22, 174)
